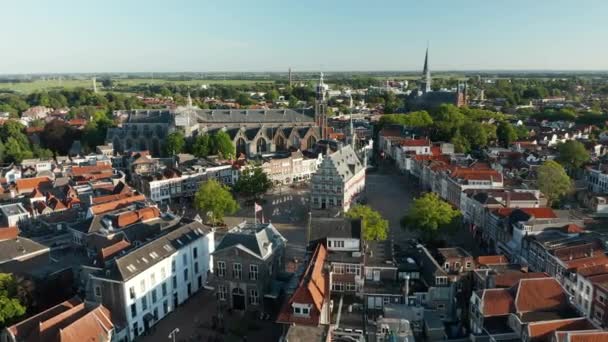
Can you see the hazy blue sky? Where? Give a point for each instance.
(230, 35)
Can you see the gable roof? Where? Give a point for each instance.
(497, 302)
(116, 204)
(312, 289)
(541, 294)
(69, 321)
(486, 260)
(541, 331)
(255, 239)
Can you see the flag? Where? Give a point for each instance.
(257, 207)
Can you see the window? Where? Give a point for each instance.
(164, 289)
(253, 297)
(131, 292)
(185, 274)
(144, 303)
(601, 299)
(196, 267)
(339, 287)
(441, 280)
(440, 306)
(153, 279)
(305, 311)
(142, 286)
(338, 269)
(253, 272)
(353, 269)
(222, 292)
(221, 268)
(173, 266)
(195, 252)
(351, 287)
(174, 282)
(154, 296)
(297, 310)
(446, 266)
(165, 307)
(97, 291)
(185, 259)
(133, 310)
(386, 300)
(587, 289)
(468, 264)
(328, 243)
(237, 271)
(163, 274)
(135, 329)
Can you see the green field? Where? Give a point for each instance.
(29, 87)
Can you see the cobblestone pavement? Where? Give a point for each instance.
(194, 321)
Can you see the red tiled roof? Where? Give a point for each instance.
(510, 278)
(596, 336)
(573, 228)
(77, 122)
(542, 294)
(7, 233)
(95, 326)
(110, 198)
(29, 184)
(541, 331)
(90, 169)
(117, 204)
(131, 217)
(539, 213)
(415, 142)
(593, 270)
(497, 302)
(313, 290)
(491, 260)
(600, 259)
(114, 249)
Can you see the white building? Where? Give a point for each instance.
(597, 179)
(340, 177)
(146, 284)
(294, 168)
(12, 214)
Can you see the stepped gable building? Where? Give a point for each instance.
(426, 98)
(339, 179)
(253, 131)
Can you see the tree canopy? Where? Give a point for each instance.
(175, 143)
(373, 225)
(572, 154)
(202, 146)
(11, 306)
(214, 200)
(428, 215)
(222, 145)
(253, 183)
(413, 119)
(506, 134)
(553, 181)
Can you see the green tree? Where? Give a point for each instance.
(272, 95)
(253, 183)
(428, 215)
(202, 146)
(11, 306)
(475, 134)
(58, 136)
(572, 154)
(244, 99)
(374, 226)
(214, 200)
(413, 119)
(222, 145)
(461, 144)
(175, 143)
(506, 133)
(553, 181)
(447, 120)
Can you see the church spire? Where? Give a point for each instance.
(189, 100)
(426, 73)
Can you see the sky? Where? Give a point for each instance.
(42, 36)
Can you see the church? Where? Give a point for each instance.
(425, 98)
(254, 132)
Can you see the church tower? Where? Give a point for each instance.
(426, 74)
(321, 107)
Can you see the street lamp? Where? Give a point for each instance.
(173, 334)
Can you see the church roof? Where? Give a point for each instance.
(251, 116)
